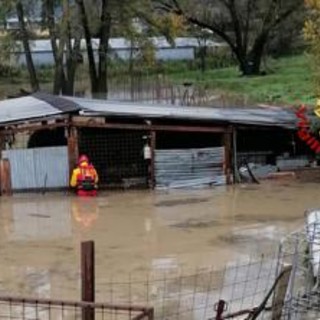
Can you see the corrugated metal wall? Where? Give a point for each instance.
(189, 167)
(38, 168)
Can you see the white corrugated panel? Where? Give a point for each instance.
(25, 108)
(38, 168)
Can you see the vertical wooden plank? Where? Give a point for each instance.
(152, 164)
(227, 138)
(5, 177)
(280, 293)
(73, 149)
(87, 278)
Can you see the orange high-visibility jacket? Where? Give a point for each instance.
(82, 172)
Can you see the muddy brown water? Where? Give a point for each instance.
(139, 232)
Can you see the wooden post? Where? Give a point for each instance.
(87, 278)
(152, 164)
(236, 177)
(227, 138)
(73, 149)
(280, 293)
(5, 177)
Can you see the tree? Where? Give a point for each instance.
(245, 25)
(26, 46)
(98, 19)
(65, 39)
(312, 36)
(21, 9)
(98, 76)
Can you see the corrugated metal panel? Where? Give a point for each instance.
(38, 168)
(257, 116)
(189, 167)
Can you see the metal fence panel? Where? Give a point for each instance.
(38, 168)
(189, 167)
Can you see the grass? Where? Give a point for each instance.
(288, 81)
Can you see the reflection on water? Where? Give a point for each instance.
(138, 232)
(85, 211)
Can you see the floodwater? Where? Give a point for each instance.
(139, 232)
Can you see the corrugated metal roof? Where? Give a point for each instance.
(39, 105)
(254, 116)
(45, 105)
(23, 108)
(57, 102)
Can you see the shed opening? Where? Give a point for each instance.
(117, 156)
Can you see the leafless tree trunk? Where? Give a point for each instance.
(98, 78)
(25, 41)
(64, 51)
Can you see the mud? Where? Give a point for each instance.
(138, 233)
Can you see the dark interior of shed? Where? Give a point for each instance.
(269, 144)
(116, 154)
(48, 138)
(188, 140)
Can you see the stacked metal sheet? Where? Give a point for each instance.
(189, 168)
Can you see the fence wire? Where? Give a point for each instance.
(36, 309)
(194, 295)
(302, 250)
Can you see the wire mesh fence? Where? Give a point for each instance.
(36, 309)
(160, 89)
(302, 250)
(194, 295)
(252, 288)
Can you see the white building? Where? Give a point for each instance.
(120, 48)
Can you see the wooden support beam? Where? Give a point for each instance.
(87, 278)
(236, 177)
(153, 152)
(33, 127)
(73, 148)
(5, 177)
(127, 126)
(227, 141)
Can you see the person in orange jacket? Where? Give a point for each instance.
(85, 178)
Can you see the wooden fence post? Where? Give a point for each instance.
(87, 278)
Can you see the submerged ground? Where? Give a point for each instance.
(137, 233)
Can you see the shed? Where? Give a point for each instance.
(190, 146)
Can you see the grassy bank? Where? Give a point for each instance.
(288, 81)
